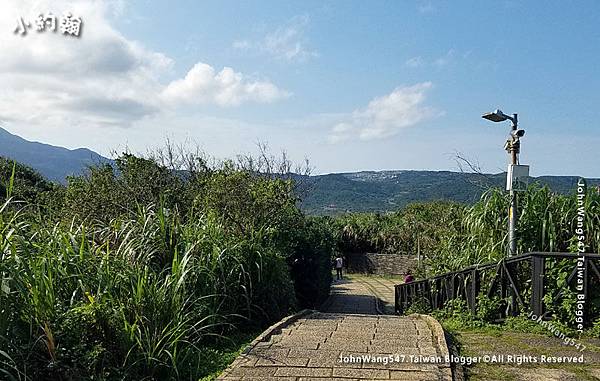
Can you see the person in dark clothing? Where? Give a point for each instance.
(408, 278)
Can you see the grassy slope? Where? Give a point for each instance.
(494, 340)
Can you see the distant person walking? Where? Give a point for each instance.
(408, 278)
(339, 265)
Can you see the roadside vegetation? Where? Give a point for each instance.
(157, 268)
(476, 335)
(163, 267)
(450, 236)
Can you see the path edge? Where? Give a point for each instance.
(266, 335)
(455, 371)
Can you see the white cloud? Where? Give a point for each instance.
(385, 116)
(101, 78)
(226, 88)
(287, 42)
(415, 62)
(448, 58)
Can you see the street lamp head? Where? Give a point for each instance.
(496, 116)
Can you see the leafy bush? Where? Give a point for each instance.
(25, 185)
(594, 331)
(139, 267)
(456, 316)
(451, 236)
(417, 227)
(419, 306)
(488, 308)
(311, 262)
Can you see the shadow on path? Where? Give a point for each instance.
(359, 295)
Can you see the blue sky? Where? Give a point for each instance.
(350, 85)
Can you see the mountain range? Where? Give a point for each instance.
(390, 190)
(375, 191)
(54, 163)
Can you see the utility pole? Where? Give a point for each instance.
(515, 171)
(513, 148)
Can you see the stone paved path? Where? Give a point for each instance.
(362, 294)
(349, 340)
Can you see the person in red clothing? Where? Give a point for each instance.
(408, 278)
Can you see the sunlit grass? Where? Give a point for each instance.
(144, 294)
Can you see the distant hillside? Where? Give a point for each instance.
(326, 194)
(54, 163)
(390, 190)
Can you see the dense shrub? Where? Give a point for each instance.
(138, 266)
(419, 227)
(105, 191)
(451, 236)
(81, 301)
(313, 247)
(22, 183)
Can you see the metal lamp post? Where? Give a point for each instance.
(513, 147)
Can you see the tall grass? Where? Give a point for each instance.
(546, 222)
(451, 236)
(128, 272)
(139, 296)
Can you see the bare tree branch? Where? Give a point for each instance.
(468, 166)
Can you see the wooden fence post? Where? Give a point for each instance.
(474, 290)
(537, 284)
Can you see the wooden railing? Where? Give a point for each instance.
(519, 282)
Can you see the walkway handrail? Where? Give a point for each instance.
(509, 278)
